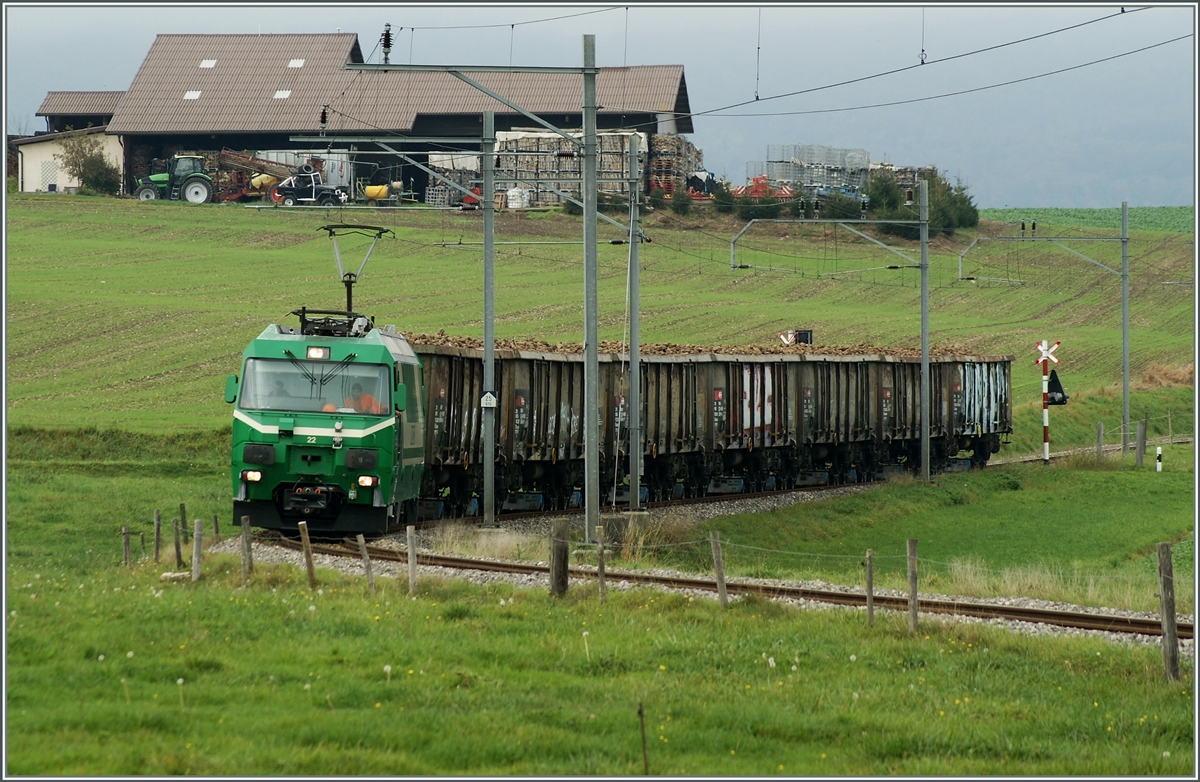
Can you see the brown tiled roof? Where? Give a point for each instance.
(79, 103)
(236, 93)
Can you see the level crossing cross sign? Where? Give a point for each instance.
(1046, 353)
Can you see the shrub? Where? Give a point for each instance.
(681, 202)
(840, 207)
(722, 198)
(950, 207)
(11, 185)
(570, 207)
(658, 198)
(83, 158)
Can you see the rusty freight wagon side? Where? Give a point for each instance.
(711, 422)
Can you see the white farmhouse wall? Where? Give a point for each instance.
(38, 168)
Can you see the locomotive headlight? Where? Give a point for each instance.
(368, 480)
(252, 476)
(321, 354)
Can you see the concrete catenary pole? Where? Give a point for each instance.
(591, 369)
(924, 185)
(487, 148)
(635, 370)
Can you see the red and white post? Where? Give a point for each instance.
(1045, 359)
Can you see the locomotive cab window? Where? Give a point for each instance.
(311, 387)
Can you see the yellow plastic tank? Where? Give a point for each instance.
(376, 191)
(262, 181)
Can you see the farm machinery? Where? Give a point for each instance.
(185, 179)
(237, 176)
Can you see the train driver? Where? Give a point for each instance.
(363, 403)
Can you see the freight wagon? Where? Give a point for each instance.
(711, 422)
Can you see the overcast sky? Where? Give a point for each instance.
(1094, 136)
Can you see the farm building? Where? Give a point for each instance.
(204, 93)
(39, 171)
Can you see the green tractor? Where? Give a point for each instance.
(184, 179)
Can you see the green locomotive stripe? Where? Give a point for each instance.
(313, 430)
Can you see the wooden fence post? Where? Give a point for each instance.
(157, 533)
(719, 567)
(1141, 443)
(178, 550)
(1166, 599)
(559, 541)
(600, 561)
(142, 540)
(247, 561)
(1099, 441)
(183, 522)
(308, 560)
(912, 586)
(362, 548)
(1170, 431)
(412, 559)
(869, 565)
(196, 550)
(216, 532)
(125, 544)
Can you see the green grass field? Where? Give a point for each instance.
(123, 319)
(129, 315)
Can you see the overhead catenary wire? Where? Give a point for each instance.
(902, 69)
(956, 92)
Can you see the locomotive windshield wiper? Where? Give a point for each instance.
(303, 369)
(336, 369)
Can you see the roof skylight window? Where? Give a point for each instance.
(283, 93)
(191, 95)
(208, 63)
(296, 63)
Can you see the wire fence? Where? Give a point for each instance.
(1047, 580)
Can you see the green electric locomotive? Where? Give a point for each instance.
(328, 422)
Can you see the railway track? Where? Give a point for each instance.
(1068, 619)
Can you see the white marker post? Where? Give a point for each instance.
(1158, 458)
(1046, 357)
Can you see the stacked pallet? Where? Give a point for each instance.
(529, 160)
(672, 160)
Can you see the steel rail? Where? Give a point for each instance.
(1071, 619)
